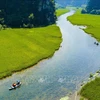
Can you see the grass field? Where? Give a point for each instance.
(22, 48)
(61, 11)
(91, 21)
(91, 90)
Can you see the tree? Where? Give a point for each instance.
(93, 7)
(22, 13)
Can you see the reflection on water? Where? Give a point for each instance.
(60, 75)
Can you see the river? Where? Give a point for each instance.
(60, 75)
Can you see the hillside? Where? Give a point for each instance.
(93, 7)
(65, 3)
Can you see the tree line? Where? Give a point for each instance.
(93, 7)
(27, 13)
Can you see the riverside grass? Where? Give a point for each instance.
(91, 90)
(61, 11)
(22, 48)
(91, 21)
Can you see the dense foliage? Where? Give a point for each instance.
(93, 7)
(27, 13)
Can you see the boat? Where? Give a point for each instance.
(15, 85)
(96, 43)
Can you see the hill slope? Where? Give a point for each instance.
(71, 2)
(93, 7)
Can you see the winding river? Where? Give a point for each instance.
(60, 75)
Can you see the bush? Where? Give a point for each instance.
(28, 25)
(91, 75)
(98, 12)
(84, 11)
(4, 26)
(81, 98)
(1, 27)
(98, 71)
(93, 12)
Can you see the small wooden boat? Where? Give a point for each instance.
(96, 43)
(15, 85)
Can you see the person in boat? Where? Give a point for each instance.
(18, 82)
(97, 44)
(14, 84)
(94, 42)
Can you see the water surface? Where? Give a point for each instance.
(56, 77)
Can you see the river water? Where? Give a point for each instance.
(56, 77)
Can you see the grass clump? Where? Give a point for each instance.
(21, 48)
(61, 11)
(91, 90)
(89, 20)
(81, 98)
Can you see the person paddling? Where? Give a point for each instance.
(18, 82)
(14, 84)
(96, 43)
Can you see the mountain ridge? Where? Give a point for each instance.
(77, 3)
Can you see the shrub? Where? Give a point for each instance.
(98, 12)
(93, 12)
(81, 98)
(1, 27)
(84, 11)
(91, 75)
(28, 25)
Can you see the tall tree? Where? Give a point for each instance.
(93, 7)
(27, 13)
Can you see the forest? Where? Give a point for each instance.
(26, 13)
(93, 7)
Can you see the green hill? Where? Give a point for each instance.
(93, 7)
(77, 3)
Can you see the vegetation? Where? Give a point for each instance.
(76, 3)
(61, 11)
(21, 48)
(26, 13)
(91, 75)
(91, 90)
(81, 98)
(91, 21)
(93, 7)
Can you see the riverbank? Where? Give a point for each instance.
(91, 90)
(91, 21)
(22, 48)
